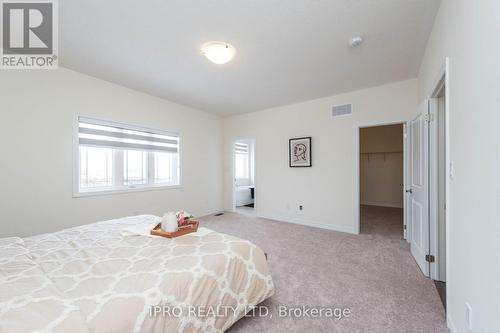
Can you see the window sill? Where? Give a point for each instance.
(124, 191)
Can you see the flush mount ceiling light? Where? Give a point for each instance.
(218, 52)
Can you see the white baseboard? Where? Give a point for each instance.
(381, 204)
(334, 227)
(211, 212)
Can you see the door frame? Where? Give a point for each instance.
(442, 79)
(233, 171)
(357, 192)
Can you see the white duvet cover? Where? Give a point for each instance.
(93, 278)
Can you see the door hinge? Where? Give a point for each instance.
(404, 227)
(430, 258)
(428, 117)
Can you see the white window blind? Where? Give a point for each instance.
(97, 133)
(117, 157)
(241, 148)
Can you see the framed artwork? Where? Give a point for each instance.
(299, 151)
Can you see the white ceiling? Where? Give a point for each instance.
(288, 50)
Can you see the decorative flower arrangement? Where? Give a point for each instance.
(183, 218)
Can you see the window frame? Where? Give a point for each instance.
(118, 168)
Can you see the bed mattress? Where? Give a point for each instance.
(94, 278)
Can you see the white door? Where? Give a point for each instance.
(406, 182)
(419, 187)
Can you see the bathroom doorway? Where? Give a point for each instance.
(244, 176)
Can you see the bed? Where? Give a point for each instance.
(97, 278)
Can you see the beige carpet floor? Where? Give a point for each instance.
(373, 274)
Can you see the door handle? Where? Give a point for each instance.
(409, 191)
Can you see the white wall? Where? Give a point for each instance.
(36, 151)
(381, 166)
(468, 32)
(328, 189)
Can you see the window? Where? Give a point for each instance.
(242, 163)
(96, 167)
(119, 157)
(135, 168)
(165, 167)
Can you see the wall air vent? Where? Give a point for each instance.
(341, 110)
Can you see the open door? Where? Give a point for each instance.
(406, 182)
(419, 187)
(244, 176)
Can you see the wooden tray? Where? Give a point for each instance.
(191, 226)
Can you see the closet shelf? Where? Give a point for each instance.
(381, 153)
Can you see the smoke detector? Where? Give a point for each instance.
(355, 41)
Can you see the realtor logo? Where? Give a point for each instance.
(29, 34)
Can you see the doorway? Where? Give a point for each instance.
(430, 172)
(244, 176)
(381, 180)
